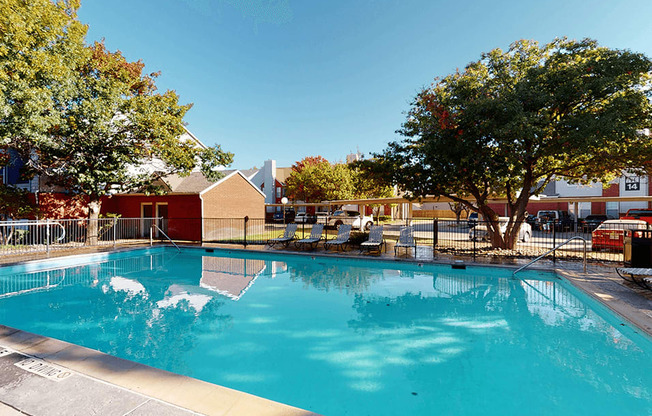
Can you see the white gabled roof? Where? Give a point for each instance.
(193, 138)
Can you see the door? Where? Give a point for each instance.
(162, 215)
(146, 214)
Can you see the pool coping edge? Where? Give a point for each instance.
(175, 389)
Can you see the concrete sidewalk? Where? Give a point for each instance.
(25, 392)
(60, 378)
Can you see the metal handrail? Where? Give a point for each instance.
(166, 236)
(47, 223)
(555, 248)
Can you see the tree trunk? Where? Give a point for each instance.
(498, 240)
(511, 236)
(94, 206)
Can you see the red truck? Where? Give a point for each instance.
(638, 214)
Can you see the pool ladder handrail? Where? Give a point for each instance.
(165, 235)
(554, 249)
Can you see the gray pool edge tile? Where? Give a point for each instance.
(6, 410)
(155, 407)
(608, 290)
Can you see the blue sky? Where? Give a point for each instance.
(287, 79)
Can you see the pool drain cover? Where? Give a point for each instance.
(44, 369)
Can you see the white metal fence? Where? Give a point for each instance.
(22, 236)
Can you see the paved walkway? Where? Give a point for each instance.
(43, 376)
(25, 392)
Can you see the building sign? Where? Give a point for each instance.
(632, 183)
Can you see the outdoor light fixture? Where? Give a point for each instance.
(284, 201)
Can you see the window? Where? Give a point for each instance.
(279, 192)
(613, 209)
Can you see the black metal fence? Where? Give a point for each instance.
(444, 236)
(455, 237)
(533, 240)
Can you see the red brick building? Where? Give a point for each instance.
(192, 204)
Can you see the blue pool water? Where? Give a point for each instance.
(344, 336)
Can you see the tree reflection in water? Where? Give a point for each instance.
(538, 320)
(343, 277)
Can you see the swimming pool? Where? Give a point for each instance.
(343, 336)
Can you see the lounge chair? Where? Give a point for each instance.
(342, 239)
(313, 240)
(375, 241)
(405, 240)
(640, 276)
(287, 237)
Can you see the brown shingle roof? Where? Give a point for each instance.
(282, 174)
(194, 183)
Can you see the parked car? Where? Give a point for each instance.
(303, 218)
(532, 220)
(289, 215)
(357, 220)
(321, 218)
(481, 232)
(560, 220)
(639, 214)
(472, 221)
(591, 222)
(609, 235)
(287, 218)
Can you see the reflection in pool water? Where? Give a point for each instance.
(345, 336)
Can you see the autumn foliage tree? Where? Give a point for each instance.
(85, 117)
(314, 179)
(514, 120)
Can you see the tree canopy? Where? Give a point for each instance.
(15, 204)
(315, 179)
(41, 40)
(514, 120)
(84, 117)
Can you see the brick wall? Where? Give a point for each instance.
(235, 197)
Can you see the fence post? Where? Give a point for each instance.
(151, 235)
(47, 235)
(115, 225)
(554, 242)
(246, 219)
(435, 235)
(475, 238)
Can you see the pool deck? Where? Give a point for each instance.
(91, 382)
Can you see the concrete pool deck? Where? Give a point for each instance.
(102, 384)
(66, 379)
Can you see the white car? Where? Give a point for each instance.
(357, 220)
(480, 231)
(321, 218)
(302, 217)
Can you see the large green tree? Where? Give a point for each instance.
(93, 118)
(514, 120)
(40, 43)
